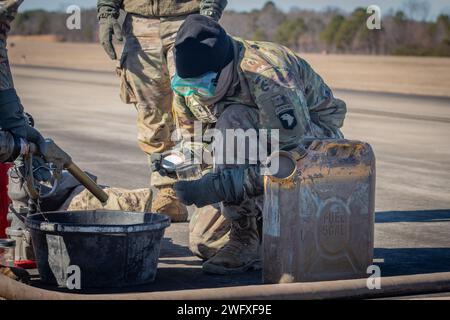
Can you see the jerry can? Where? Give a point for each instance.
(318, 217)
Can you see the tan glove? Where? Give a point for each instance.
(109, 27)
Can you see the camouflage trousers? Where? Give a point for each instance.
(119, 199)
(145, 70)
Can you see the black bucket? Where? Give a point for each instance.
(110, 248)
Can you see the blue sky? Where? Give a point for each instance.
(437, 6)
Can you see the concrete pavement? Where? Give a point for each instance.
(82, 112)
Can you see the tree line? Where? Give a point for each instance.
(403, 32)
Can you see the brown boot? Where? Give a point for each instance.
(16, 274)
(241, 253)
(166, 202)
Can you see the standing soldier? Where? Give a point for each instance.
(145, 69)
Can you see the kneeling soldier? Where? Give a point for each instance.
(230, 83)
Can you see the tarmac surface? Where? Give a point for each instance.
(82, 112)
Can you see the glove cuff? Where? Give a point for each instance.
(211, 14)
(213, 8)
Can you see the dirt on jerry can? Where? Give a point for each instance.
(318, 218)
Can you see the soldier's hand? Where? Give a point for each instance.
(33, 135)
(156, 164)
(109, 28)
(155, 161)
(224, 186)
(14, 119)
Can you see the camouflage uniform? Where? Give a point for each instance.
(145, 70)
(271, 88)
(8, 11)
(147, 64)
(119, 199)
(10, 7)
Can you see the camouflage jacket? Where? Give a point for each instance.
(163, 8)
(8, 9)
(282, 88)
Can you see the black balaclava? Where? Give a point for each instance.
(201, 46)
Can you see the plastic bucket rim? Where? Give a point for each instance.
(95, 228)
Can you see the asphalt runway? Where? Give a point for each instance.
(82, 112)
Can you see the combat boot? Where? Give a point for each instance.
(241, 253)
(166, 202)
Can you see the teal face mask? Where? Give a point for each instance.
(203, 86)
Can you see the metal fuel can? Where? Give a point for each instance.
(318, 217)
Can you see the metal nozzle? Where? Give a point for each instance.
(86, 181)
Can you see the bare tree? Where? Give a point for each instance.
(417, 9)
(406, 32)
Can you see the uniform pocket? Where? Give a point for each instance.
(126, 92)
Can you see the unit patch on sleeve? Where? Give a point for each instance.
(285, 112)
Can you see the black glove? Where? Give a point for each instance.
(224, 186)
(157, 165)
(14, 120)
(155, 162)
